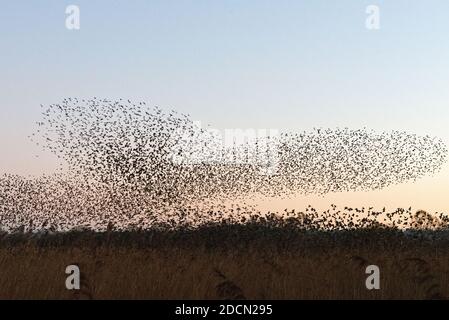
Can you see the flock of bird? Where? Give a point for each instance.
(121, 169)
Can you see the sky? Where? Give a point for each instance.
(288, 65)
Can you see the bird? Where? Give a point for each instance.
(141, 166)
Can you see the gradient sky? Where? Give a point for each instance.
(289, 65)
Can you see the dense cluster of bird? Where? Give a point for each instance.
(122, 169)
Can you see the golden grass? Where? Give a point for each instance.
(224, 263)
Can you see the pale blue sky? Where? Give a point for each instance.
(233, 64)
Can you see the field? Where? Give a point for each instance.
(149, 205)
(250, 261)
